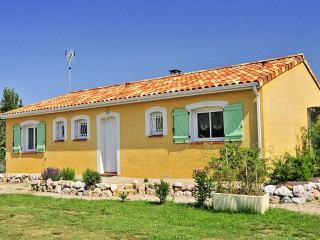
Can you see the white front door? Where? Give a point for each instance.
(110, 145)
(108, 142)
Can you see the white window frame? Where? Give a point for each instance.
(201, 107)
(148, 120)
(25, 135)
(54, 124)
(73, 123)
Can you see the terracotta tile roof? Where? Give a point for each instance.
(261, 72)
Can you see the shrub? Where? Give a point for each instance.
(68, 174)
(239, 170)
(91, 177)
(145, 180)
(282, 169)
(204, 186)
(123, 196)
(53, 173)
(302, 168)
(162, 190)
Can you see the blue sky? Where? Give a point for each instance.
(123, 41)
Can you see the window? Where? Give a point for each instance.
(156, 121)
(208, 121)
(80, 129)
(210, 125)
(29, 136)
(80, 126)
(59, 129)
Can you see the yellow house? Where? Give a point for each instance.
(163, 126)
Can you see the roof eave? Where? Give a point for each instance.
(219, 89)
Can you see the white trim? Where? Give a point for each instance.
(100, 142)
(54, 126)
(76, 118)
(202, 107)
(147, 121)
(24, 134)
(228, 88)
(258, 117)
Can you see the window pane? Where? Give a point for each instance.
(83, 129)
(60, 131)
(30, 138)
(203, 125)
(156, 123)
(217, 129)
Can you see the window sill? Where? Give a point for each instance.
(58, 140)
(29, 152)
(80, 140)
(155, 136)
(207, 142)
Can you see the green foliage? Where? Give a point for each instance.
(123, 196)
(10, 100)
(68, 174)
(145, 180)
(239, 170)
(91, 177)
(53, 173)
(162, 190)
(291, 168)
(204, 185)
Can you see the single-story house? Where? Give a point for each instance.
(162, 127)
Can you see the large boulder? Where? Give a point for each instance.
(177, 184)
(283, 192)
(78, 184)
(286, 200)
(104, 186)
(113, 187)
(269, 189)
(274, 199)
(58, 189)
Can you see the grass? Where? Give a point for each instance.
(27, 217)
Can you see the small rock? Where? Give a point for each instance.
(142, 189)
(178, 184)
(26, 180)
(270, 189)
(65, 190)
(274, 199)
(34, 177)
(1, 176)
(298, 191)
(49, 189)
(135, 182)
(309, 187)
(316, 194)
(67, 184)
(85, 193)
(113, 187)
(80, 193)
(104, 186)
(107, 193)
(179, 193)
(150, 191)
(92, 187)
(49, 182)
(151, 185)
(44, 189)
(57, 189)
(317, 186)
(128, 186)
(78, 185)
(290, 187)
(188, 193)
(283, 192)
(72, 191)
(298, 200)
(187, 187)
(12, 180)
(286, 200)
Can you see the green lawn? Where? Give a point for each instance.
(33, 217)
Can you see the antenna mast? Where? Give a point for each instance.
(70, 55)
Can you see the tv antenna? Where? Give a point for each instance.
(70, 57)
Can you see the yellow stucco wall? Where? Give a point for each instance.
(284, 103)
(140, 156)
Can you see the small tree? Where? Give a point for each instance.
(162, 190)
(10, 100)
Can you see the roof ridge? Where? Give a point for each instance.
(187, 73)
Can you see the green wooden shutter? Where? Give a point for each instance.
(41, 137)
(233, 122)
(180, 126)
(16, 139)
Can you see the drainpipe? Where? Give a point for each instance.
(258, 116)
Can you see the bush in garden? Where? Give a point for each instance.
(204, 186)
(282, 169)
(53, 173)
(91, 177)
(162, 190)
(239, 170)
(68, 174)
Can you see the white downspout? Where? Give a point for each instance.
(258, 116)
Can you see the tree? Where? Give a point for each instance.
(10, 100)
